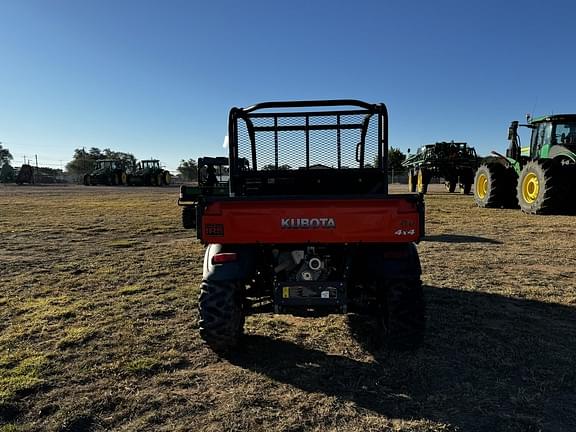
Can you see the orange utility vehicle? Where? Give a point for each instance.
(308, 226)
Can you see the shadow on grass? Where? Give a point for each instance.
(488, 363)
(458, 238)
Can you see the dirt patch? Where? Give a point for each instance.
(98, 328)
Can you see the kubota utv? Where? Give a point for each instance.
(539, 178)
(308, 225)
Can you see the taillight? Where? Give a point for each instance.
(224, 257)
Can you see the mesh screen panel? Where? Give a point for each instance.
(292, 142)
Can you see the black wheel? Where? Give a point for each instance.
(539, 188)
(167, 177)
(467, 180)
(402, 313)
(86, 179)
(189, 217)
(450, 185)
(221, 307)
(423, 180)
(495, 186)
(123, 179)
(411, 181)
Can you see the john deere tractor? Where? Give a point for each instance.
(540, 177)
(149, 173)
(109, 172)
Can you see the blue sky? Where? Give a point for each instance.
(157, 78)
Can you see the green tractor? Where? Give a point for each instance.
(149, 173)
(213, 173)
(25, 175)
(453, 161)
(109, 172)
(538, 178)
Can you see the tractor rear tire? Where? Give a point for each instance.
(495, 186)
(402, 314)
(221, 307)
(189, 217)
(539, 187)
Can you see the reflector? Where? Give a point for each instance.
(224, 257)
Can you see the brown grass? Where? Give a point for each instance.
(98, 315)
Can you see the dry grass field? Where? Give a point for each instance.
(98, 291)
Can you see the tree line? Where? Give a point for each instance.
(7, 174)
(83, 162)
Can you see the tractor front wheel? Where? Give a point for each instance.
(494, 186)
(221, 307)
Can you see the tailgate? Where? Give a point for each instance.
(389, 219)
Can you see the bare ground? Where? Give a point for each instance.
(98, 316)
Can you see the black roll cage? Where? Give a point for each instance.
(362, 108)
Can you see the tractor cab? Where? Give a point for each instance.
(107, 164)
(152, 164)
(552, 136)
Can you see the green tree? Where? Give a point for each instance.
(7, 174)
(395, 159)
(83, 161)
(188, 169)
(128, 158)
(5, 156)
